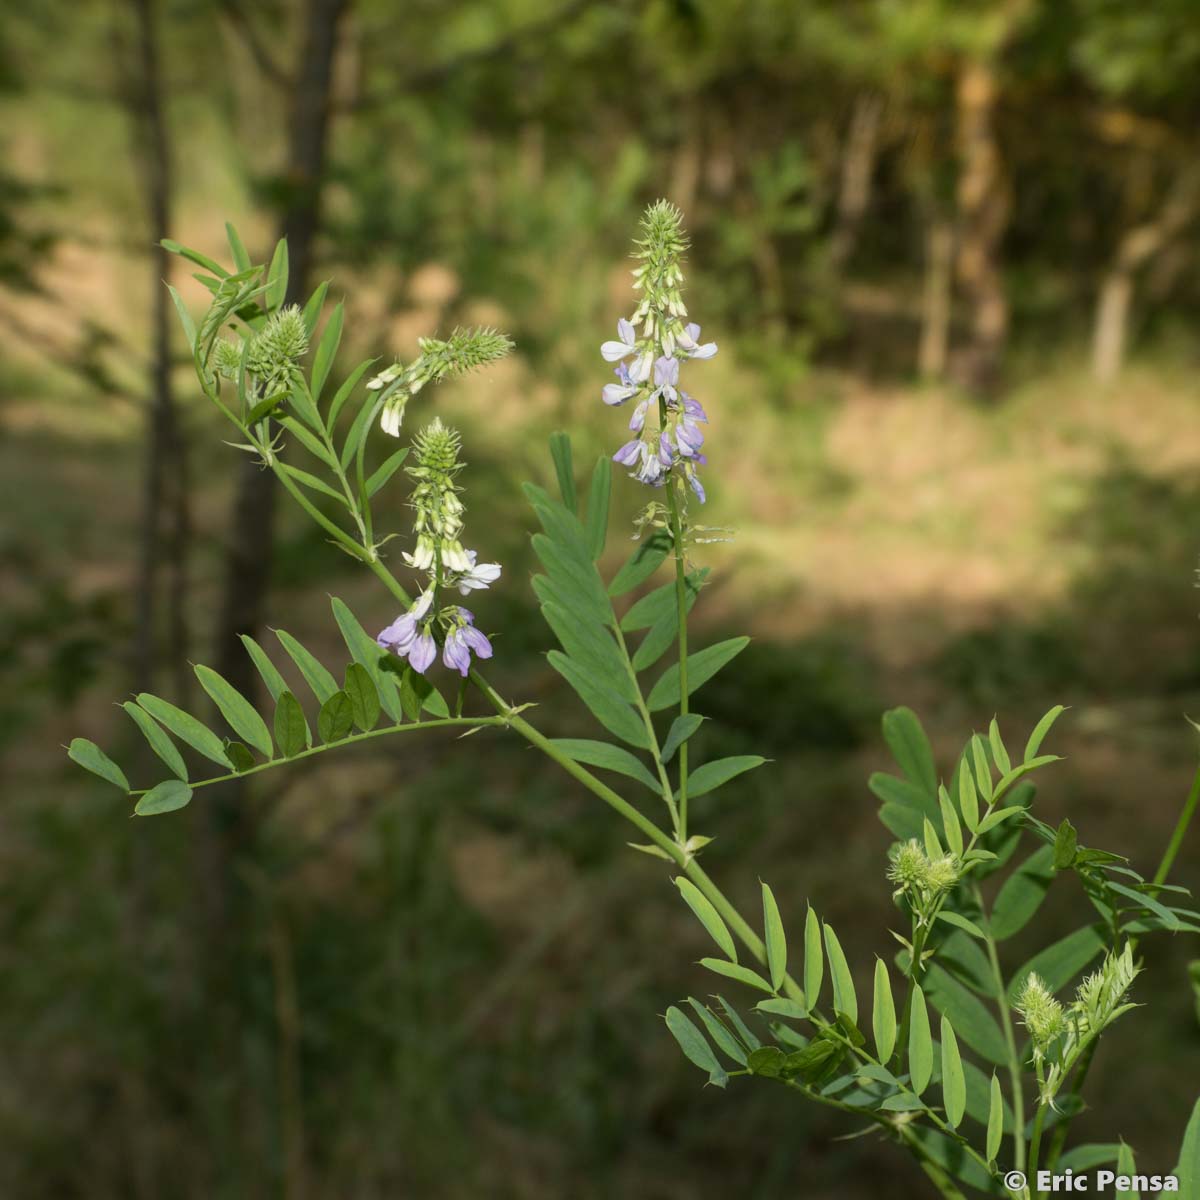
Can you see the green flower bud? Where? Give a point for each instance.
(1041, 1014)
(275, 350)
(227, 358)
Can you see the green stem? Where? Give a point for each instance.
(1010, 1042)
(1035, 1144)
(1059, 1137)
(312, 751)
(1181, 828)
(681, 610)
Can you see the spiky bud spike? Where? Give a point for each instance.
(275, 350)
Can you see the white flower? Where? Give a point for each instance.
(479, 576)
(392, 416)
(615, 351)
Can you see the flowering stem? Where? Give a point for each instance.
(681, 608)
(1035, 1144)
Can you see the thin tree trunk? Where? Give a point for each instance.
(935, 300)
(858, 168)
(165, 491)
(251, 534)
(1137, 248)
(983, 211)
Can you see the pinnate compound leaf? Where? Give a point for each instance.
(163, 798)
(605, 705)
(91, 758)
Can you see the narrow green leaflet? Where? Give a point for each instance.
(950, 823)
(291, 729)
(159, 742)
(712, 775)
(364, 699)
(707, 916)
(995, 1122)
(920, 1042)
(681, 729)
(185, 727)
(997, 816)
(775, 939)
(606, 705)
(275, 682)
(883, 1013)
(741, 974)
(564, 468)
(185, 317)
(336, 718)
(954, 1086)
(344, 392)
(239, 755)
(164, 797)
(907, 741)
(999, 753)
(315, 675)
(1040, 730)
(701, 666)
(814, 959)
(390, 465)
(983, 769)
(608, 757)
(644, 561)
(237, 710)
(327, 348)
(845, 1000)
(241, 259)
(968, 797)
(91, 758)
(599, 494)
(661, 602)
(694, 1046)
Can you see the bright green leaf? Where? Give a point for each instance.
(163, 798)
(91, 758)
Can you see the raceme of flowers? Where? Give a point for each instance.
(666, 420)
(439, 553)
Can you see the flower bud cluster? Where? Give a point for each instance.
(276, 349)
(464, 350)
(918, 876)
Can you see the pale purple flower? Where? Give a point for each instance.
(615, 351)
(642, 365)
(629, 453)
(455, 653)
(400, 635)
(478, 576)
(423, 652)
(464, 640)
(618, 393)
(693, 478)
(666, 376)
(638, 421)
(688, 342)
